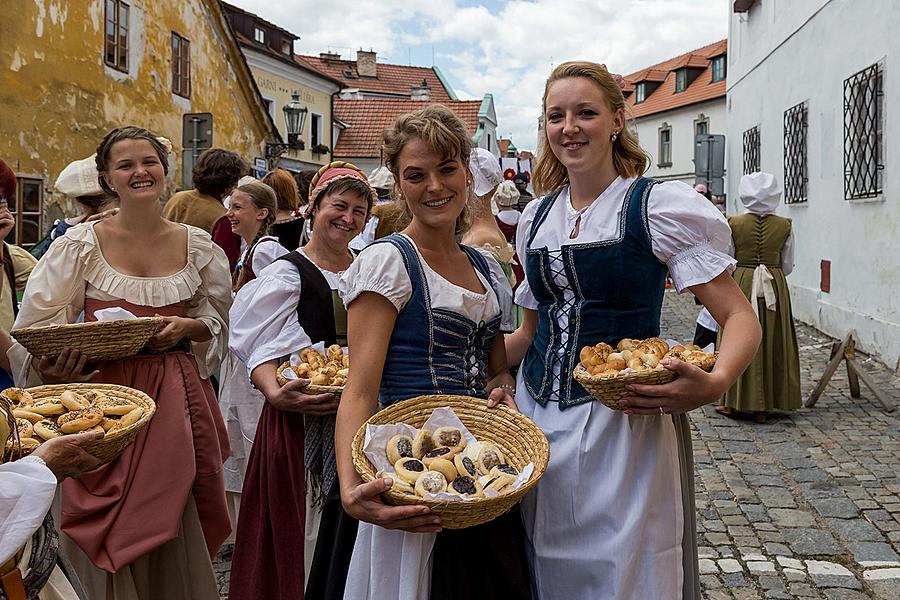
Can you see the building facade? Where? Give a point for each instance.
(72, 73)
(674, 101)
(819, 116)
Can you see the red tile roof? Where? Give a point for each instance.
(369, 118)
(390, 79)
(664, 97)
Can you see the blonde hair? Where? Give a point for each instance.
(262, 196)
(629, 159)
(443, 133)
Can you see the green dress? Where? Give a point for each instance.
(772, 381)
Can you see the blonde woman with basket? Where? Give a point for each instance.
(613, 516)
(424, 318)
(146, 525)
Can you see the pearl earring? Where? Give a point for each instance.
(614, 136)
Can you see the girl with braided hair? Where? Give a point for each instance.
(252, 211)
(293, 304)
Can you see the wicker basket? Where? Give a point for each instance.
(517, 436)
(609, 390)
(108, 447)
(337, 390)
(98, 340)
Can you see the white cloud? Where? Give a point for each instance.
(504, 48)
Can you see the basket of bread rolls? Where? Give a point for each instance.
(49, 411)
(97, 340)
(604, 371)
(477, 480)
(327, 373)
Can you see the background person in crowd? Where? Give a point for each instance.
(224, 237)
(291, 484)
(521, 182)
(215, 174)
(252, 210)
(31, 565)
(395, 287)
(146, 525)
(707, 328)
(383, 182)
(289, 223)
(763, 244)
(613, 516)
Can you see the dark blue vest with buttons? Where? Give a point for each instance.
(618, 289)
(435, 351)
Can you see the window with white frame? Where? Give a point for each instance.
(116, 36)
(316, 134)
(718, 68)
(639, 91)
(259, 35)
(701, 126)
(665, 146)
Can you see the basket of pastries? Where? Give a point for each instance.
(327, 373)
(467, 462)
(604, 371)
(49, 411)
(97, 340)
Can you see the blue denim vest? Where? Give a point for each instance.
(618, 289)
(435, 351)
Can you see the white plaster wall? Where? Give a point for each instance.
(788, 52)
(681, 120)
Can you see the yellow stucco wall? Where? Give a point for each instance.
(279, 89)
(58, 98)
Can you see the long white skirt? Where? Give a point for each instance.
(241, 405)
(607, 519)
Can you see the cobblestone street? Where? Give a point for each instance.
(806, 505)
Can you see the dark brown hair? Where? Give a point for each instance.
(217, 172)
(285, 188)
(443, 133)
(120, 134)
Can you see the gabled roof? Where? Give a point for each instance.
(391, 79)
(367, 120)
(245, 42)
(664, 97)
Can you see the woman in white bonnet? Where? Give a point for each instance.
(764, 248)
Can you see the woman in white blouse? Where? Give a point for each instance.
(146, 525)
(613, 516)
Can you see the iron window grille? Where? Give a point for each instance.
(181, 66)
(863, 133)
(116, 36)
(751, 150)
(796, 174)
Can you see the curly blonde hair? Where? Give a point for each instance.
(629, 159)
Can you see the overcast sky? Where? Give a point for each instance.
(503, 48)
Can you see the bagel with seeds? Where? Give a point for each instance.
(21, 413)
(73, 400)
(48, 408)
(25, 428)
(80, 420)
(113, 407)
(18, 396)
(47, 429)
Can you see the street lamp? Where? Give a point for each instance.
(294, 120)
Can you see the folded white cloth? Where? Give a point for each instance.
(762, 287)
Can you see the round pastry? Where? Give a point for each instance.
(18, 396)
(615, 361)
(422, 443)
(114, 406)
(73, 400)
(585, 355)
(409, 469)
(402, 487)
(48, 408)
(431, 482)
(440, 452)
(47, 429)
(465, 486)
(627, 344)
(80, 420)
(95, 428)
(26, 429)
(465, 466)
(505, 468)
(399, 446)
(334, 352)
(451, 437)
(21, 413)
(28, 445)
(444, 467)
(636, 364)
(133, 416)
(488, 457)
(499, 481)
(108, 423)
(320, 380)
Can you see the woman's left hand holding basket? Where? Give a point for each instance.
(693, 388)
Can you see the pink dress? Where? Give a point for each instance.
(145, 525)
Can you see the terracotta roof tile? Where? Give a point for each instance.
(391, 79)
(369, 118)
(664, 97)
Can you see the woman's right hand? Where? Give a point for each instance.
(364, 503)
(67, 368)
(292, 398)
(65, 456)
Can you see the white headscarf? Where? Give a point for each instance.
(760, 193)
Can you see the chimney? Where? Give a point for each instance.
(329, 56)
(420, 92)
(365, 63)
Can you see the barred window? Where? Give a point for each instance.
(751, 150)
(796, 174)
(116, 38)
(181, 66)
(863, 131)
(665, 146)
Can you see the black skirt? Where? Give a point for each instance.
(334, 548)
